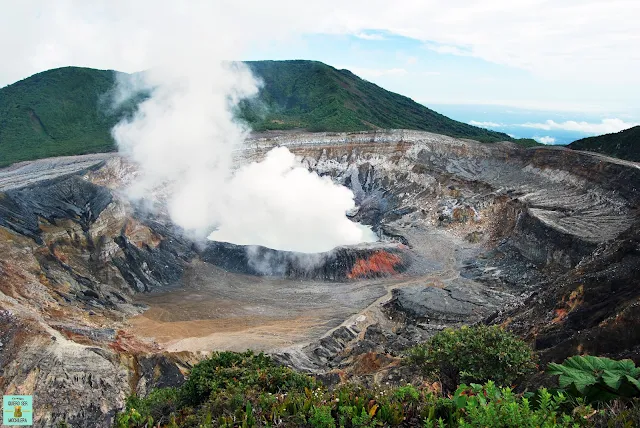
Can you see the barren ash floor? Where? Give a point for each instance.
(218, 310)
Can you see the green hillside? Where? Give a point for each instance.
(68, 111)
(624, 144)
(317, 97)
(55, 113)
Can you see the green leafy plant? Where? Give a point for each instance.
(597, 379)
(133, 418)
(408, 393)
(474, 354)
(321, 417)
(490, 406)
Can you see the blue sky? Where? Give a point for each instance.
(471, 89)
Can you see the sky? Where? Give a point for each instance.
(551, 70)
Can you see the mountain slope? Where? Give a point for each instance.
(317, 97)
(624, 144)
(68, 110)
(57, 112)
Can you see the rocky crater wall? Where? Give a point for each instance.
(567, 201)
(470, 231)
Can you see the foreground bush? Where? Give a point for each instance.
(356, 406)
(474, 355)
(245, 390)
(230, 370)
(490, 406)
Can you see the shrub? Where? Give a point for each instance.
(597, 379)
(474, 354)
(240, 394)
(321, 417)
(617, 413)
(225, 370)
(490, 406)
(157, 405)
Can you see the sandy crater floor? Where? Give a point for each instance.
(218, 310)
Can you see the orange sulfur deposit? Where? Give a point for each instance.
(380, 262)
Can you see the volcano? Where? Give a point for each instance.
(94, 291)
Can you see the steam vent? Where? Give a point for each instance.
(96, 291)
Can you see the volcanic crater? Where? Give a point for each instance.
(99, 293)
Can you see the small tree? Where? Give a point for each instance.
(474, 354)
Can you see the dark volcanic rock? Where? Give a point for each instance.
(66, 198)
(336, 265)
(158, 371)
(593, 309)
(148, 268)
(459, 301)
(545, 245)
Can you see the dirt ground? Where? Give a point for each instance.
(218, 310)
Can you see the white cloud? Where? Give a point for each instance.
(486, 124)
(535, 105)
(545, 140)
(550, 38)
(279, 204)
(411, 60)
(606, 126)
(448, 49)
(369, 36)
(183, 137)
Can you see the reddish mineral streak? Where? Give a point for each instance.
(380, 262)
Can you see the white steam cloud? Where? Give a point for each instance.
(279, 204)
(183, 138)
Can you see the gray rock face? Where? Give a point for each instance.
(148, 269)
(65, 198)
(72, 256)
(27, 173)
(460, 301)
(74, 383)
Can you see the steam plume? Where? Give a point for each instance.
(279, 204)
(183, 138)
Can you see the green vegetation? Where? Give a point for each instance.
(473, 354)
(264, 394)
(624, 144)
(58, 112)
(490, 406)
(227, 370)
(598, 379)
(247, 390)
(317, 97)
(69, 110)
